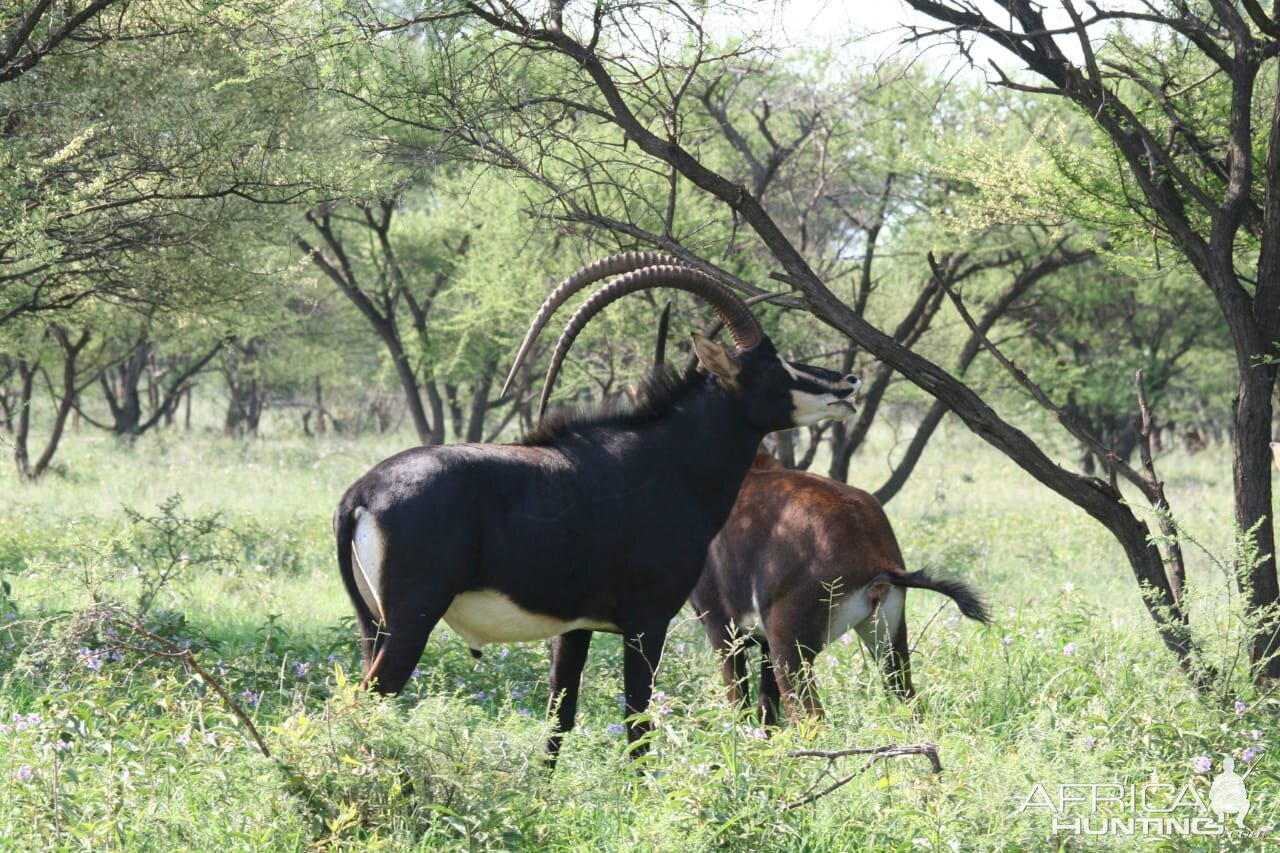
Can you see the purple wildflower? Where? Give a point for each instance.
(1069, 649)
(1240, 708)
(23, 773)
(1008, 640)
(615, 728)
(1250, 755)
(301, 668)
(1202, 764)
(1090, 742)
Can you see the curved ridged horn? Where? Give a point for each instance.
(619, 264)
(713, 328)
(737, 318)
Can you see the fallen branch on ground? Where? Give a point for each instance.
(893, 750)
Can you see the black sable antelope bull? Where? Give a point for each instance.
(591, 523)
(801, 560)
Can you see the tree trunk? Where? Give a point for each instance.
(784, 448)
(320, 416)
(26, 384)
(915, 449)
(409, 387)
(454, 402)
(29, 472)
(1251, 473)
(121, 390)
(244, 408)
(479, 406)
(435, 435)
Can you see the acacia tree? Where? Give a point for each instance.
(131, 165)
(138, 134)
(1192, 108)
(354, 249)
(149, 372)
(32, 31)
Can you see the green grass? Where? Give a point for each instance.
(108, 746)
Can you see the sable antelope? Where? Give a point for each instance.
(801, 560)
(593, 522)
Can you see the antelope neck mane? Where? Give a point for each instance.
(658, 394)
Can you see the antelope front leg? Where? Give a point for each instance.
(568, 657)
(640, 658)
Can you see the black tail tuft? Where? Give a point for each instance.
(968, 599)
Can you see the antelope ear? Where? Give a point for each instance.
(717, 360)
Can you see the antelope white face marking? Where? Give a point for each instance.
(809, 409)
(863, 611)
(487, 616)
(819, 396)
(367, 550)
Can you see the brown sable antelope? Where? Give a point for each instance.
(594, 522)
(801, 560)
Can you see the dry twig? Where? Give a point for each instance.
(876, 753)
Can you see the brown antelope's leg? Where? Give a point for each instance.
(568, 657)
(898, 663)
(885, 636)
(642, 652)
(793, 671)
(729, 647)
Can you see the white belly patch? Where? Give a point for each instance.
(487, 616)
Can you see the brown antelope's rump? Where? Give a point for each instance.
(801, 560)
